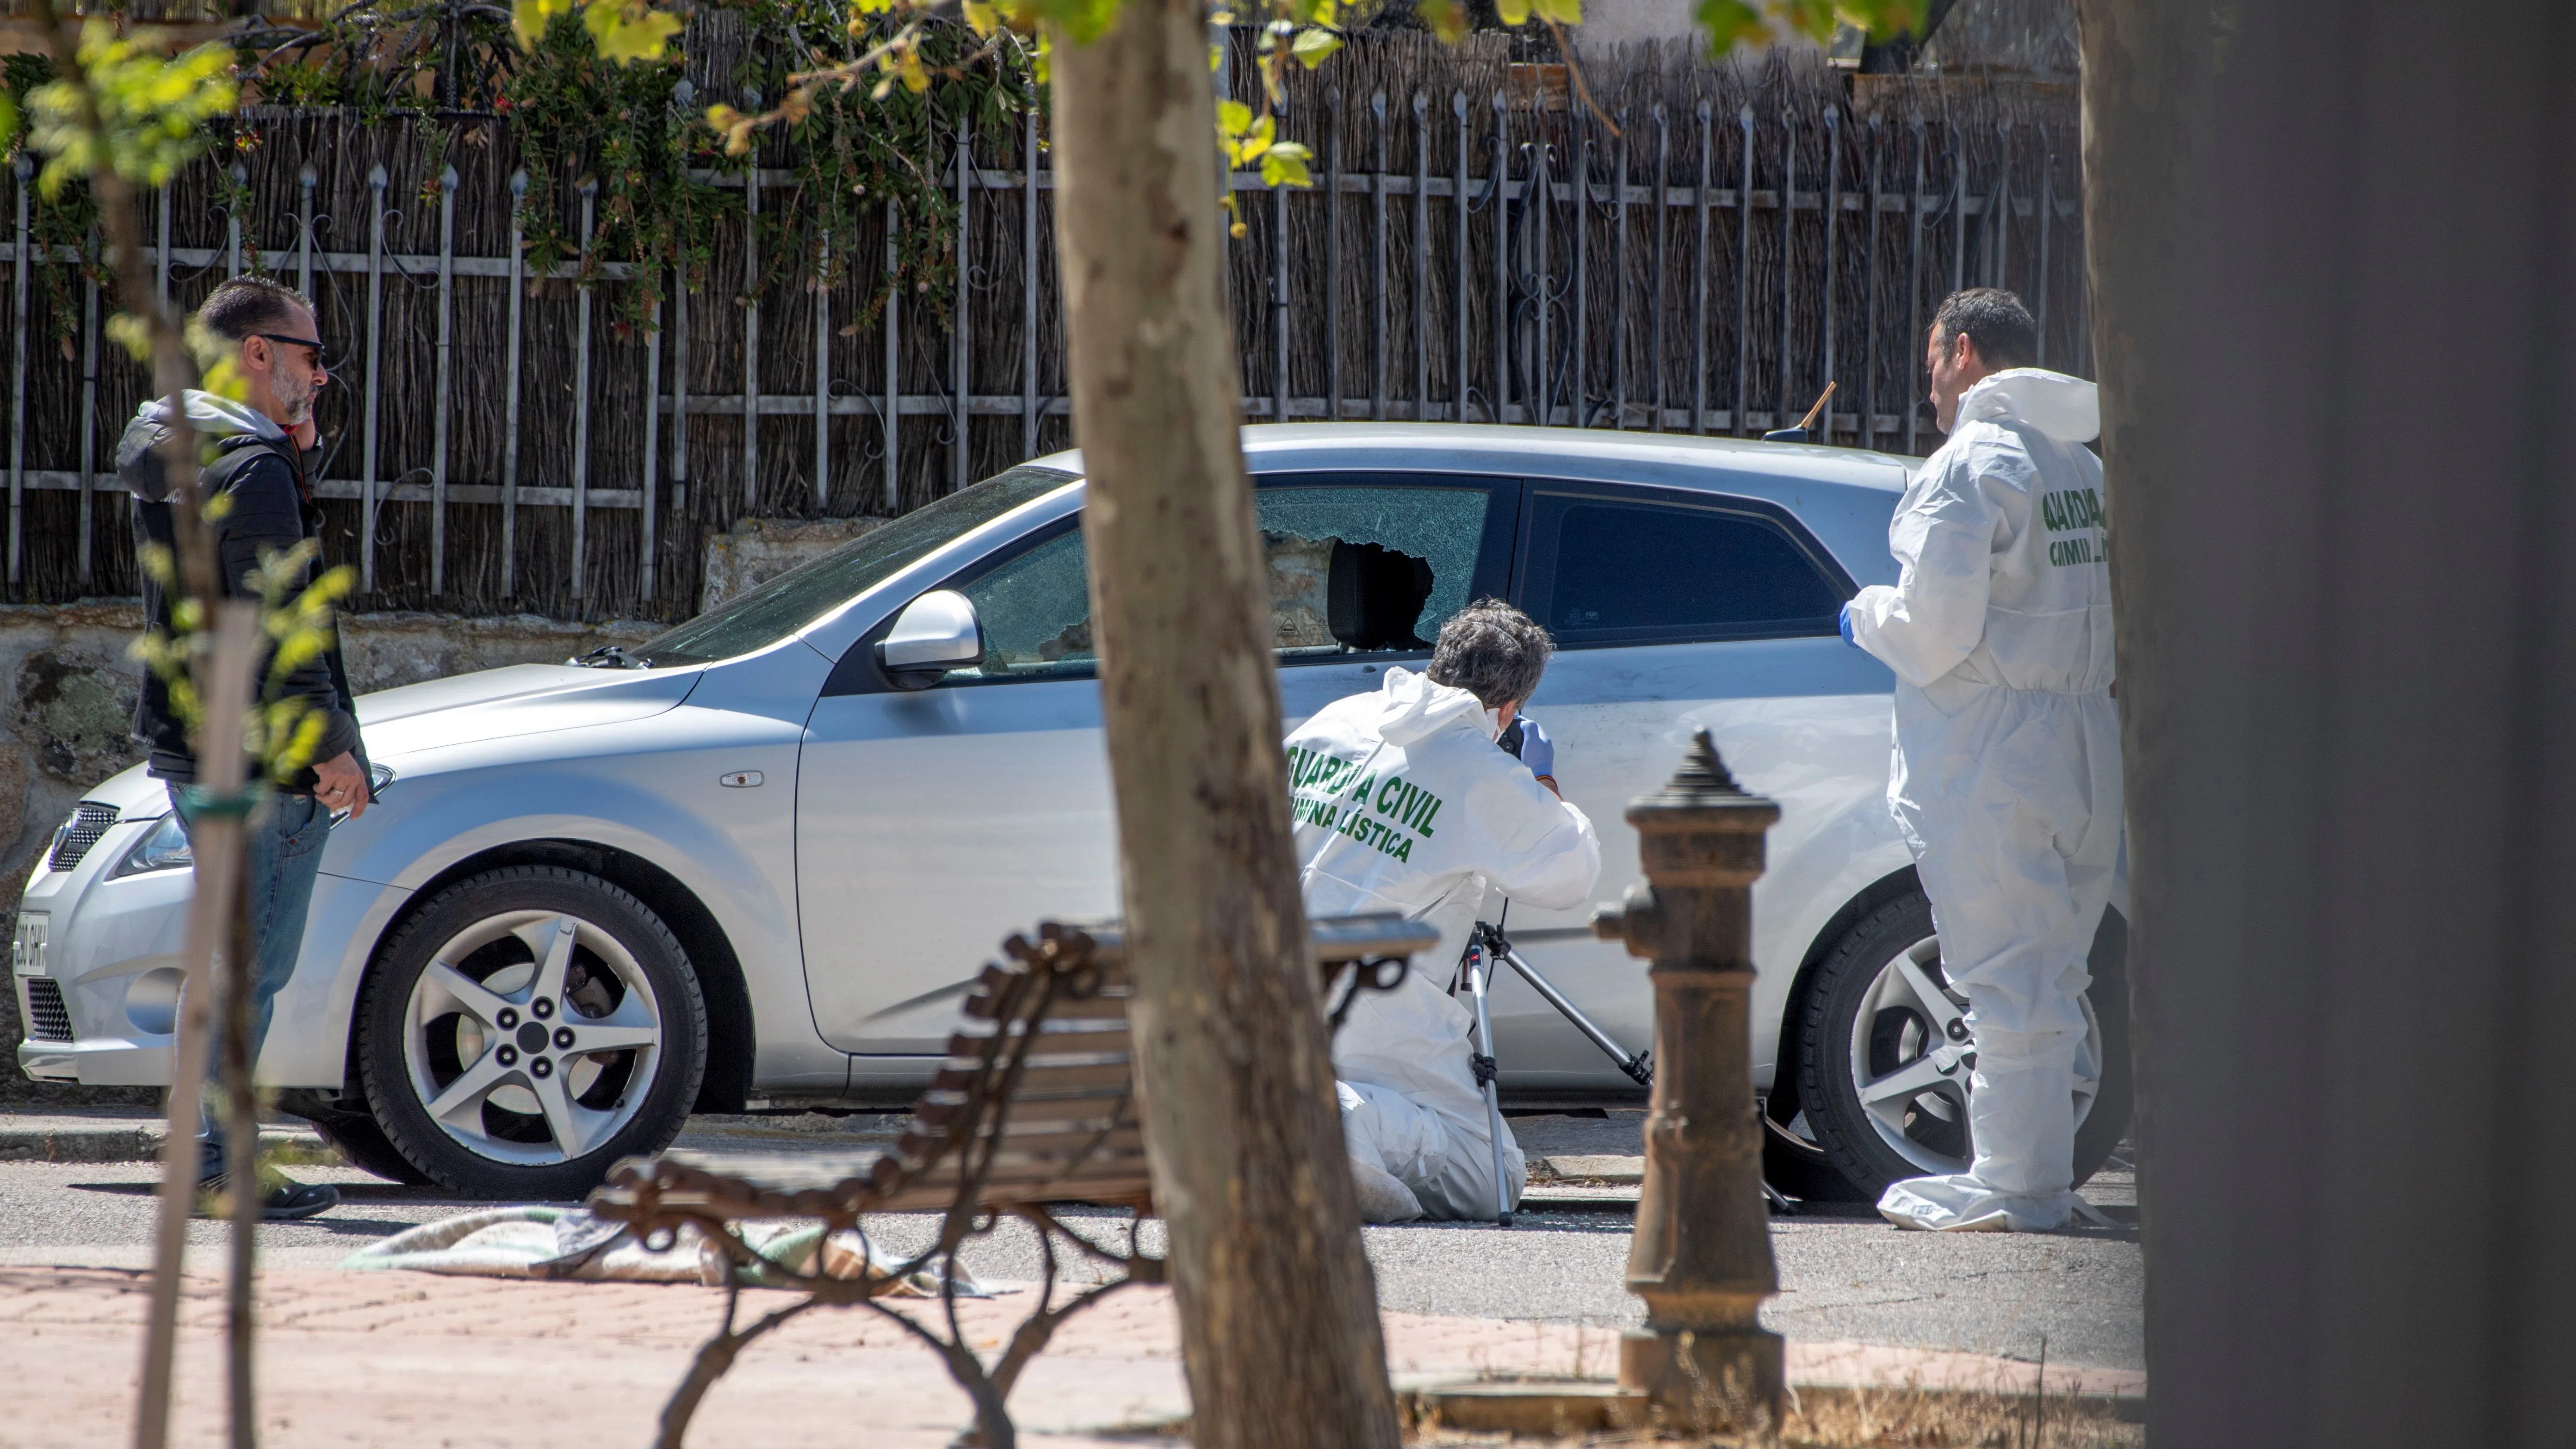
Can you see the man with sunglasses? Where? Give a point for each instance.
(259, 455)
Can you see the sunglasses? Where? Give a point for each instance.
(294, 342)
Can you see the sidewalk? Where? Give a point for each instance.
(1886, 1329)
(415, 1359)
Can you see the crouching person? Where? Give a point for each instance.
(1405, 802)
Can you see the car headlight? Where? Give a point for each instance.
(163, 847)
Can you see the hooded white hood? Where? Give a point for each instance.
(2068, 409)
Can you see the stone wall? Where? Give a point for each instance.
(756, 550)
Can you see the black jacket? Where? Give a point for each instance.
(271, 509)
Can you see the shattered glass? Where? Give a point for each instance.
(1440, 527)
(1410, 553)
(1036, 613)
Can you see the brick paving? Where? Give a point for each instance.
(415, 1359)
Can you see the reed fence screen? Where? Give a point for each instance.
(1699, 255)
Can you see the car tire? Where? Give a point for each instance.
(494, 1085)
(361, 1142)
(1862, 1146)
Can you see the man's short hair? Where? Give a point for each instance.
(1995, 320)
(246, 305)
(1493, 651)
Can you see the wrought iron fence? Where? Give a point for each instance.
(1701, 254)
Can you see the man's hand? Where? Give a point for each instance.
(1539, 753)
(341, 785)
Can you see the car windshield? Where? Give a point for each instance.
(762, 616)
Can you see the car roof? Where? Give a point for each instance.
(1548, 452)
(1844, 494)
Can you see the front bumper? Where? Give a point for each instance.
(113, 961)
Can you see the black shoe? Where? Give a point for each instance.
(283, 1201)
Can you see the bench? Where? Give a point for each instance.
(1035, 1107)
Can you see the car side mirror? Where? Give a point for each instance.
(934, 634)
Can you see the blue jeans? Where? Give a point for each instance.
(284, 857)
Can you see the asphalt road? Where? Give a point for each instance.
(1844, 1276)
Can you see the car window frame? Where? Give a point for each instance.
(1527, 562)
(1497, 555)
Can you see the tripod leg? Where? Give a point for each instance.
(1476, 981)
(1638, 1068)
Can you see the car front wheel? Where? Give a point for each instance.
(526, 1029)
(1885, 1055)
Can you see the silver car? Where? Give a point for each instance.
(758, 858)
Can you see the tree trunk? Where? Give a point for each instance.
(1279, 1326)
(2329, 242)
(2146, 79)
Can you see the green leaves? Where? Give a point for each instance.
(1518, 12)
(1285, 164)
(151, 109)
(623, 31)
(529, 19)
(1731, 22)
(1447, 18)
(627, 31)
(1083, 20)
(1757, 22)
(1315, 45)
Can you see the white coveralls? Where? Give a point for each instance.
(2007, 773)
(1404, 803)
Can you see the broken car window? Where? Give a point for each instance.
(1365, 569)
(1354, 569)
(1036, 613)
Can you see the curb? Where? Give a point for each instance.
(72, 1141)
(1566, 1407)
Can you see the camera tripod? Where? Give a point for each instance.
(1486, 945)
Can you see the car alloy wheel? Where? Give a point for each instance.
(1912, 1055)
(528, 1027)
(1878, 1056)
(532, 1037)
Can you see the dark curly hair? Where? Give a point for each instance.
(1493, 651)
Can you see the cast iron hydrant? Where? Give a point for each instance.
(1702, 1254)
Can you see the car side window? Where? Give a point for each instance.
(1375, 567)
(1617, 567)
(1035, 608)
(1356, 567)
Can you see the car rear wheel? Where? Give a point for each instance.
(1884, 1056)
(528, 1028)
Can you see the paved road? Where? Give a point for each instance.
(1843, 1277)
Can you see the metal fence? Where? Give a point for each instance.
(1699, 255)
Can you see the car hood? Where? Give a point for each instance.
(523, 699)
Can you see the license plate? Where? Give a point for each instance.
(27, 948)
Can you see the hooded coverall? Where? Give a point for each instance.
(2006, 780)
(1404, 803)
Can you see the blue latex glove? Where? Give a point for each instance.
(1537, 750)
(1843, 622)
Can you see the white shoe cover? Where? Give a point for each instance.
(1962, 1204)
